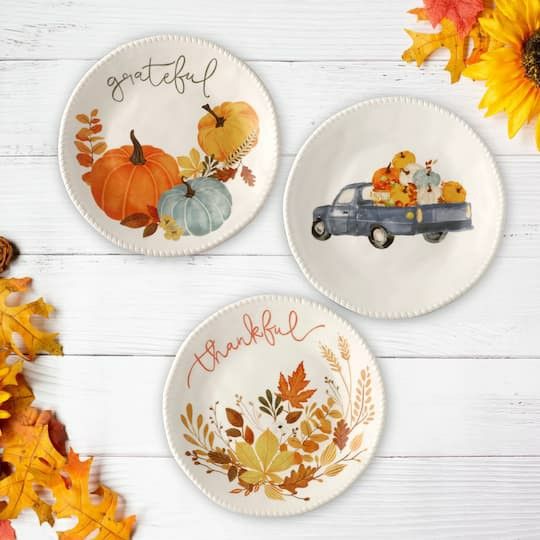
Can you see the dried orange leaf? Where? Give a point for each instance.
(15, 320)
(292, 388)
(8, 378)
(29, 450)
(73, 499)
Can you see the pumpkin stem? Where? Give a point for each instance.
(137, 158)
(220, 120)
(190, 192)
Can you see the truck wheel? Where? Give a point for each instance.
(435, 237)
(318, 230)
(380, 237)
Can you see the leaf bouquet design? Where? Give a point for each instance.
(287, 437)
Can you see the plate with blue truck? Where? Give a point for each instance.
(354, 213)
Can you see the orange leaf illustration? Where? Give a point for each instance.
(83, 118)
(15, 320)
(85, 160)
(248, 176)
(73, 499)
(226, 174)
(292, 389)
(341, 434)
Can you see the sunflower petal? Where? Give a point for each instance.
(503, 30)
(520, 114)
(538, 133)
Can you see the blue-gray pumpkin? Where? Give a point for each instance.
(199, 206)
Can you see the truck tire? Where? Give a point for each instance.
(380, 237)
(318, 230)
(435, 237)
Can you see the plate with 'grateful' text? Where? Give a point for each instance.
(168, 145)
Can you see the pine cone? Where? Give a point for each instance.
(6, 254)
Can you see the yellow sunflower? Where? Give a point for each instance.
(512, 71)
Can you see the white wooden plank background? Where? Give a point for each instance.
(460, 456)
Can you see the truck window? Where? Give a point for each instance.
(346, 196)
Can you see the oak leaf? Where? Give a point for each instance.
(298, 479)
(463, 13)
(73, 499)
(28, 448)
(8, 378)
(16, 320)
(425, 44)
(341, 434)
(292, 389)
(226, 174)
(247, 176)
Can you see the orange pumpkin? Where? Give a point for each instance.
(228, 131)
(453, 192)
(126, 180)
(384, 177)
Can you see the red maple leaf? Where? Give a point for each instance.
(463, 13)
(226, 174)
(292, 389)
(248, 176)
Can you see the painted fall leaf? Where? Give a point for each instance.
(73, 499)
(191, 166)
(28, 448)
(292, 388)
(265, 461)
(425, 44)
(16, 320)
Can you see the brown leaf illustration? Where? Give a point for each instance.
(341, 434)
(135, 221)
(150, 229)
(94, 112)
(298, 479)
(293, 416)
(232, 473)
(234, 417)
(292, 388)
(83, 134)
(81, 147)
(247, 176)
(83, 119)
(219, 457)
(226, 174)
(249, 437)
(233, 432)
(84, 159)
(96, 128)
(152, 212)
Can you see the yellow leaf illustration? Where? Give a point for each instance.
(267, 445)
(267, 460)
(273, 492)
(16, 320)
(329, 454)
(334, 470)
(191, 166)
(356, 443)
(246, 456)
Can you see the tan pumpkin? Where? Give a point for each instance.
(228, 131)
(453, 192)
(128, 179)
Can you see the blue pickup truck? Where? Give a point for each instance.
(353, 213)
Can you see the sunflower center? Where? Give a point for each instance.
(531, 58)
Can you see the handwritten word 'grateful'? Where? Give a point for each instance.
(264, 331)
(157, 74)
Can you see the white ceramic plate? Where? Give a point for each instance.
(273, 406)
(431, 238)
(168, 145)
